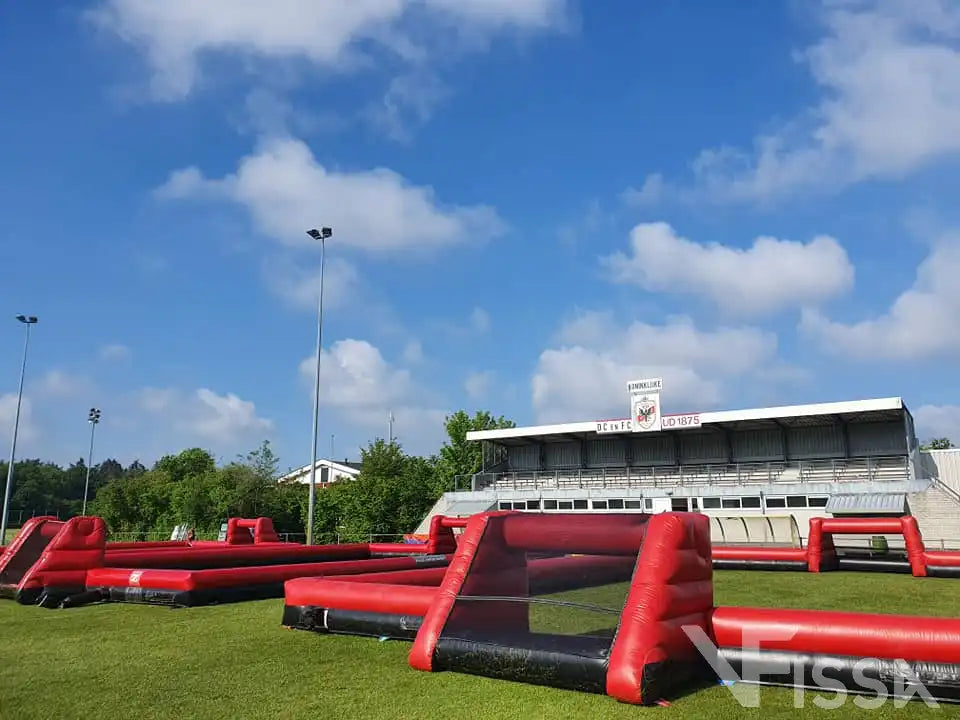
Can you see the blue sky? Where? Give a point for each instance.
(533, 202)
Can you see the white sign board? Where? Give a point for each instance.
(645, 404)
(681, 421)
(614, 426)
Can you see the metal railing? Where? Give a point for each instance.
(853, 470)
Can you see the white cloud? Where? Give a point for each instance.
(585, 377)
(890, 75)
(363, 387)
(410, 99)
(115, 351)
(920, 322)
(767, 277)
(203, 414)
(26, 430)
(61, 384)
(478, 384)
(287, 191)
(175, 34)
(300, 285)
(935, 421)
(650, 193)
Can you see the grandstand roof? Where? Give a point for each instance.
(785, 416)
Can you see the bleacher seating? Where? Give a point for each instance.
(818, 471)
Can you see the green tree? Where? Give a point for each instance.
(194, 461)
(938, 444)
(263, 462)
(458, 456)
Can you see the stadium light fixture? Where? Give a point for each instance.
(27, 321)
(93, 418)
(322, 234)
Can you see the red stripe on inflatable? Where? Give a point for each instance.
(898, 637)
(370, 597)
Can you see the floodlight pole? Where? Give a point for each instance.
(322, 236)
(93, 418)
(27, 320)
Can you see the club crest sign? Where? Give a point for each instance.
(645, 413)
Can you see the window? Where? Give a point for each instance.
(796, 501)
(751, 502)
(634, 504)
(730, 503)
(711, 503)
(647, 504)
(549, 504)
(504, 505)
(579, 504)
(776, 502)
(599, 504)
(616, 504)
(566, 504)
(679, 505)
(533, 504)
(695, 504)
(817, 501)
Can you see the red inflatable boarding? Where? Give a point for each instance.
(317, 603)
(859, 652)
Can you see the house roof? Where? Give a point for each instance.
(877, 409)
(346, 467)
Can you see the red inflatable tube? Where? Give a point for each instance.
(161, 579)
(942, 558)
(146, 545)
(587, 534)
(398, 548)
(898, 637)
(370, 597)
(861, 526)
(735, 552)
(426, 577)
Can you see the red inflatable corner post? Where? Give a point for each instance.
(672, 589)
(494, 568)
(239, 531)
(441, 540)
(78, 547)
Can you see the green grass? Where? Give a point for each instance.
(236, 661)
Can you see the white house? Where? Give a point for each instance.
(327, 471)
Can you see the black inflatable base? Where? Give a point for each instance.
(832, 673)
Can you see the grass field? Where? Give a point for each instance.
(236, 661)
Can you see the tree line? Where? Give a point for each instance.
(391, 495)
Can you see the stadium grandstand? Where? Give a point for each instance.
(760, 474)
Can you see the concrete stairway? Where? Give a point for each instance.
(938, 514)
